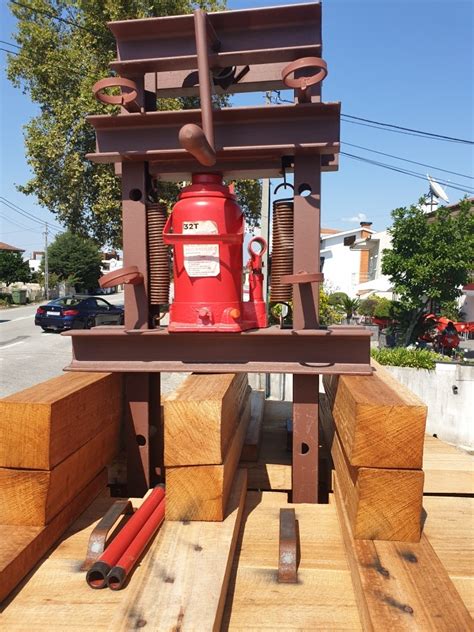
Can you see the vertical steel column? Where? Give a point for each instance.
(307, 233)
(137, 385)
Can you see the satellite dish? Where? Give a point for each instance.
(436, 189)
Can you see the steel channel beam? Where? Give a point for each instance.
(246, 37)
(273, 350)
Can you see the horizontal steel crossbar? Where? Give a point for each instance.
(272, 350)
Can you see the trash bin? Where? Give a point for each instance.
(19, 297)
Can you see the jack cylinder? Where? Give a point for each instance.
(158, 256)
(282, 251)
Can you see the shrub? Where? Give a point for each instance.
(384, 308)
(401, 356)
(336, 298)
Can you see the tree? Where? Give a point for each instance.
(57, 64)
(75, 259)
(350, 306)
(428, 260)
(12, 268)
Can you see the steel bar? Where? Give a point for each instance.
(193, 139)
(97, 574)
(288, 549)
(274, 350)
(128, 560)
(305, 439)
(204, 75)
(98, 537)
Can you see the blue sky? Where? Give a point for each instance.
(406, 62)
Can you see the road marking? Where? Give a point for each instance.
(14, 320)
(13, 341)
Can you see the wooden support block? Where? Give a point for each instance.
(35, 497)
(273, 468)
(201, 417)
(201, 492)
(23, 547)
(399, 586)
(44, 424)
(254, 431)
(381, 504)
(380, 422)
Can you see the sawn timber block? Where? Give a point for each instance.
(379, 421)
(201, 417)
(35, 497)
(381, 504)
(201, 492)
(44, 424)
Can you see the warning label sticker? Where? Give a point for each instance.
(201, 260)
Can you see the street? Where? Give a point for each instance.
(29, 356)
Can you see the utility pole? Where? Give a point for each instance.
(46, 268)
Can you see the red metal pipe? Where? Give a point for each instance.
(119, 573)
(96, 576)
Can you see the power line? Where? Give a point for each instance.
(11, 52)
(15, 223)
(9, 43)
(409, 129)
(422, 164)
(27, 215)
(55, 17)
(413, 174)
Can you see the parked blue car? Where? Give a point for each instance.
(78, 312)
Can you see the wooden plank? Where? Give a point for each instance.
(449, 528)
(180, 583)
(34, 497)
(44, 424)
(201, 492)
(23, 547)
(447, 469)
(401, 586)
(272, 471)
(381, 504)
(254, 430)
(201, 417)
(380, 422)
(323, 598)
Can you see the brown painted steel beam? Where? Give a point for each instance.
(272, 350)
(288, 548)
(305, 479)
(137, 434)
(245, 36)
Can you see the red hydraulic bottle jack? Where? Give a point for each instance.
(206, 229)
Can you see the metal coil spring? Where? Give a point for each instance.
(282, 251)
(158, 255)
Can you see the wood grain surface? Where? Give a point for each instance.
(201, 417)
(380, 422)
(44, 424)
(201, 492)
(35, 497)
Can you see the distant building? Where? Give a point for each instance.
(7, 248)
(35, 261)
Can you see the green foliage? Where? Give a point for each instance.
(12, 268)
(57, 64)
(76, 260)
(367, 305)
(350, 306)
(428, 260)
(335, 298)
(383, 308)
(450, 309)
(401, 356)
(328, 314)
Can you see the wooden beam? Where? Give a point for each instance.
(201, 492)
(23, 547)
(254, 431)
(35, 497)
(44, 424)
(401, 586)
(201, 417)
(381, 504)
(379, 421)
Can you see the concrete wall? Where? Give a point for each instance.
(449, 394)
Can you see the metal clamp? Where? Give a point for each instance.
(302, 83)
(115, 99)
(98, 537)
